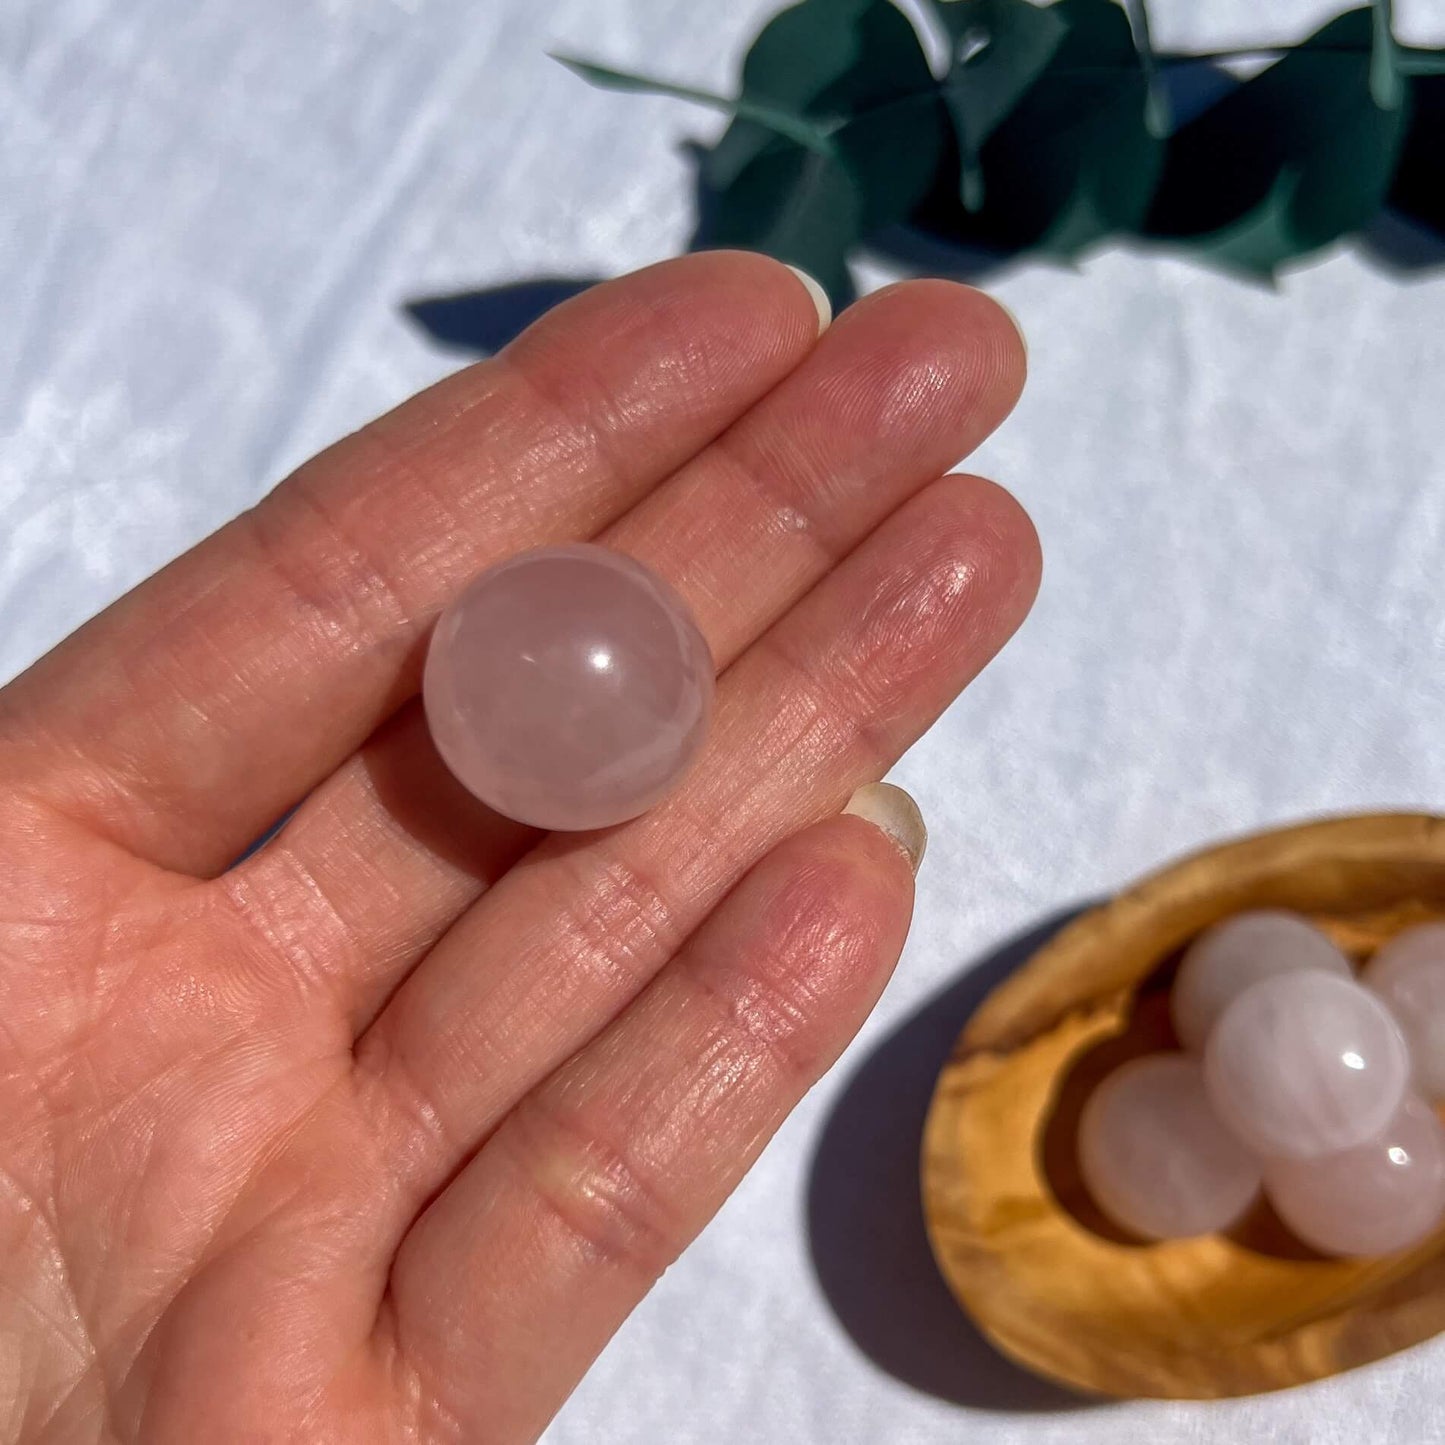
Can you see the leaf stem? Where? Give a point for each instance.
(1156, 104)
(1250, 52)
(1408, 60)
(796, 128)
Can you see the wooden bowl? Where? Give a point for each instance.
(1018, 1240)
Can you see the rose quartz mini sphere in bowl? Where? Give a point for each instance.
(1409, 974)
(1305, 1064)
(1155, 1157)
(1236, 953)
(1376, 1198)
(568, 687)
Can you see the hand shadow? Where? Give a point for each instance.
(865, 1218)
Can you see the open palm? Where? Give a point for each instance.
(379, 1133)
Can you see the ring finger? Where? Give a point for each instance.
(826, 700)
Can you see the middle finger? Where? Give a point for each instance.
(391, 849)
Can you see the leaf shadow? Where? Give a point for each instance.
(926, 253)
(1399, 247)
(866, 1234)
(482, 322)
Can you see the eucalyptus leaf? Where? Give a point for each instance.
(999, 49)
(1287, 162)
(1074, 160)
(1418, 192)
(1057, 126)
(829, 62)
(835, 57)
(792, 203)
(893, 152)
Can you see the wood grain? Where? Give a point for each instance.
(1015, 1235)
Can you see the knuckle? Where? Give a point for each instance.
(397, 1094)
(594, 1191)
(831, 693)
(811, 945)
(619, 921)
(763, 1021)
(336, 581)
(575, 412)
(800, 491)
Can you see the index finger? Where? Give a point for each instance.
(195, 711)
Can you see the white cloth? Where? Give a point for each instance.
(210, 216)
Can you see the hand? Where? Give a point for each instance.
(379, 1134)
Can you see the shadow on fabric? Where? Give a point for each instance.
(1394, 245)
(483, 322)
(865, 1220)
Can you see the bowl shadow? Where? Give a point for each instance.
(866, 1234)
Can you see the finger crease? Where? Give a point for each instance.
(572, 434)
(593, 1189)
(761, 1018)
(621, 920)
(340, 583)
(383, 1069)
(793, 501)
(826, 695)
(307, 932)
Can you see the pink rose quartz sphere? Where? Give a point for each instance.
(1156, 1158)
(1226, 959)
(1409, 974)
(568, 687)
(1376, 1198)
(1305, 1064)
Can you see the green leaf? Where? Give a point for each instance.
(1287, 162)
(792, 203)
(854, 69)
(1051, 132)
(1418, 190)
(834, 58)
(769, 118)
(794, 59)
(1000, 48)
(826, 60)
(1073, 161)
(893, 152)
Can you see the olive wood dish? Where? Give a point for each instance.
(1020, 1244)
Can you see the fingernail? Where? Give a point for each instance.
(819, 297)
(1018, 325)
(895, 812)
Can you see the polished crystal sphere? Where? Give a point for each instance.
(1409, 974)
(1226, 959)
(1376, 1198)
(1305, 1064)
(568, 687)
(1155, 1156)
